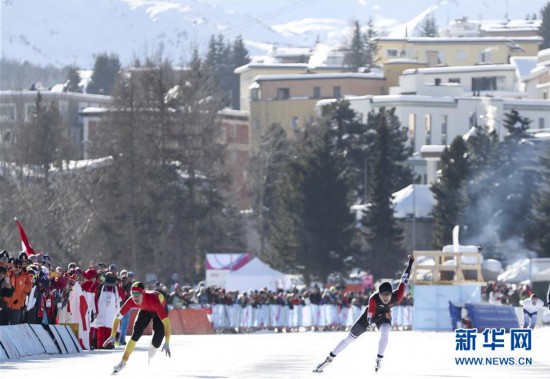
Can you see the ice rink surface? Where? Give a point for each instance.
(290, 355)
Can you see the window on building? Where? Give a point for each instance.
(412, 129)
(437, 81)
(7, 112)
(294, 123)
(392, 53)
(6, 137)
(484, 84)
(29, 111)
(472, 120)
(283, 93)
(454, 80)
(255, 94)
(428, 120)
(316, 92)
(541, 123)
(486, 56)
(444, 130)
(337, 92)
(63, 106)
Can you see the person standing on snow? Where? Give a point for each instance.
(378, 312)
(152, 306)
(531, 307)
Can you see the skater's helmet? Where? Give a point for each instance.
(385, 287)
(137, 287)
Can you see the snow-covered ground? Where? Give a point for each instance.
(291, 355)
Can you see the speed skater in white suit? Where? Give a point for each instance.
(531, 307)
(378, 313)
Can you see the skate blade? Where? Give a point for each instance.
(318, 371)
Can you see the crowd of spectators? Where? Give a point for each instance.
(184, 296)
(506, 293)
(33, 290)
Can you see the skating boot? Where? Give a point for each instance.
(322, 365)
(118, 368)
(378, 364)
(152, 351)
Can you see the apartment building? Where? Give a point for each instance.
(289, 100)
(457, 51)
(432, 122)
(17, 107)
(249, 72)
(537, 80)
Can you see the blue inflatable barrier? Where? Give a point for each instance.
(486, 316)
(456, 314)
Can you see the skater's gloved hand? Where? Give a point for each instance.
(109, 341)
(166, 348)
(371, 324)
(411, 258)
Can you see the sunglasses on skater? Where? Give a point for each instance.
(136, 295)
(385, 293)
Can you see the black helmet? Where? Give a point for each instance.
(22, 256)
(385, 287)
(4, 255)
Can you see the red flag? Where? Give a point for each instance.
(24, 240)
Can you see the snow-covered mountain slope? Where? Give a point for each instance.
(62, 32)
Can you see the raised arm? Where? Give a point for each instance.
(400, 291)
(407, 272)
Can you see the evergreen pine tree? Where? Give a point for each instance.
(371, 48)
(477, 211)
(222, 59)
(448, 191)
(239, 57)
(544, 29)
(356, 56)
(384, 238)
(105, 75)
(541, 211)
(350, 139)
(43, 140)
(318, 222)
(429, 28)
(267, 173)
(73, 80)
(286, 214)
